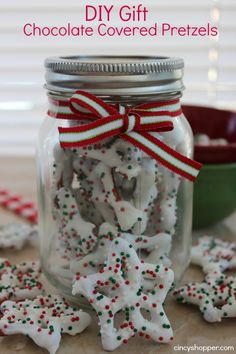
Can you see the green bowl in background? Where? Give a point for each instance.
(214, 194)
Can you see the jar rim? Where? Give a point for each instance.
(113, 64)
(115, 75)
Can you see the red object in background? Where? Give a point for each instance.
(17, 205)
(216, 123)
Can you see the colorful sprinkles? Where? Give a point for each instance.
(43, 319)
(19, 281)
(118, 288)
(158, 244)
(213, 254)
(101, 184)
(215, 296)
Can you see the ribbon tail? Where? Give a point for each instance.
(164, 154)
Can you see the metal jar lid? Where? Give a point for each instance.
(114, 75)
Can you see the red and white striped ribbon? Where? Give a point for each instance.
(134, 125)
(19, 206)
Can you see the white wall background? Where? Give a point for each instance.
(210, 75)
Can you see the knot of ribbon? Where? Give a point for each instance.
(136, 125)
(131, 120)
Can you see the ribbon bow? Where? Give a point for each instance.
(135, 125)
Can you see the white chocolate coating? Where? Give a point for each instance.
(43, 320)
(19, 281)
(116, 189)
(125, 213)
(213, 254)
(17, 234)
(157, 249)
(72, 222)
(118, 287)
(215, 296)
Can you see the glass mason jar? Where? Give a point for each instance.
(95, 192)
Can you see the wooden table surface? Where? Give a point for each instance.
(18, 174)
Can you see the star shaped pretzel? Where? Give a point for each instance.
(118, 287)
(43, 319)
(215, 296)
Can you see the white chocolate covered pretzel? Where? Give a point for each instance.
(118, 287)
(167, 207)
(83, 167)
(156, 248)
(73, 226)
(43, 319)
(19, 281)
(213, 254)
(215, 296)
(125, 213)
(145, 192)
(108, 155)
(17, 234)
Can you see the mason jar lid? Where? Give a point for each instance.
(114, 75)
